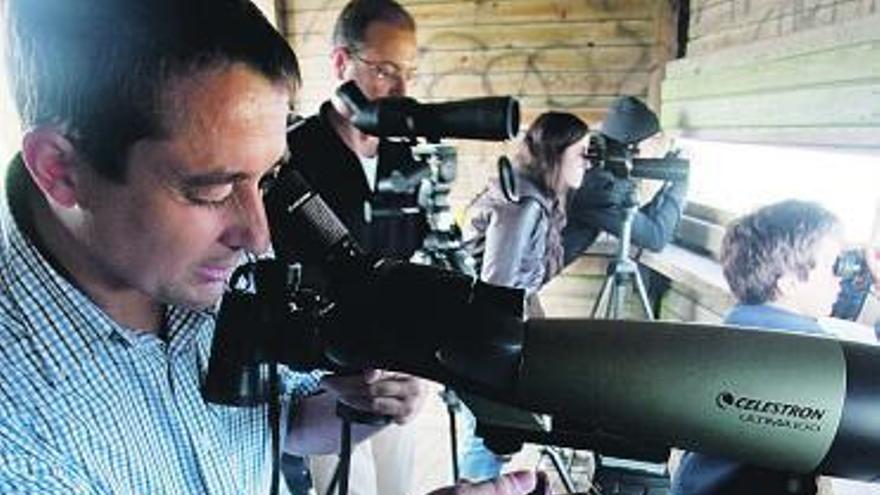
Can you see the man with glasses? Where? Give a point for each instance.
(374, 44)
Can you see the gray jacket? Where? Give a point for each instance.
(509, 240)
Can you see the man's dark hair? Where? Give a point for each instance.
(778, 239)
(98, 69)
(351, 26)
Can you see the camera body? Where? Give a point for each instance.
(615, 147)
(856, 283)
(431, 182)
(622, 160)
(851, 264)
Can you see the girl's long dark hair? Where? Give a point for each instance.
(540, 152)
(540, 158)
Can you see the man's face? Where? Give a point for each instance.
(816, 295)
(191, 203)
(385, 65)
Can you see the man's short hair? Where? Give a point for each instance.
(351, 26)
(98, 69)
(778, 239)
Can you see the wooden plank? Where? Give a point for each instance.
(696, 232)
(841, 105)
(580, 58)
(559, 35)
(335, 4)
(478, 13)
(539, 59)
(513, 36)
(766, 15)
(519, 84)
(679, 304)
(865, 138)
(810, 88)
(461, 85)
(849, 64)
(665, 47)
(565, 9)
(858, 32)
(778, 28)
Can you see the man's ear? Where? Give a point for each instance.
(339, 59)
(51, 160)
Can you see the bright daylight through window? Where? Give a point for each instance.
(740, 177)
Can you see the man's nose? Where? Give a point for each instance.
(249, 230)
(398, 87)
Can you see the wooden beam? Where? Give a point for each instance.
(819, 39)
(778, 27)
(853, 138)
(508, 36)
(767, 15)
(845, 65)
(549, 84)
(840, 105)
(576, 59)
(476, 13)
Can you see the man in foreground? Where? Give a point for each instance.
(151, 128)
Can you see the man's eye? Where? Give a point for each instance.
(267, 181)
(210, 195)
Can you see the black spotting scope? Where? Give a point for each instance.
(492, 118)
(615, 148)
(798, 403)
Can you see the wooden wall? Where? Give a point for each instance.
(779, 71)
(572, 55)
(717, 24)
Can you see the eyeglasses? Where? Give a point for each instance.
(387, 70)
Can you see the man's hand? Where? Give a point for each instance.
(516, 483)
(388, 393)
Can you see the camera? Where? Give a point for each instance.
(851, 264)
(615, 148)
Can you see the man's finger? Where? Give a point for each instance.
(515, 483)
(396, 387)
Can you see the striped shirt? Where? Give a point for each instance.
(90, 407)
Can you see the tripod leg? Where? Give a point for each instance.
(452, 406)
(612, 296)
(564, 475)
(643, 294)
(603, 293)
(619, 295)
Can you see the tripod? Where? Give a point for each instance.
(622, 270)
(443, 247)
